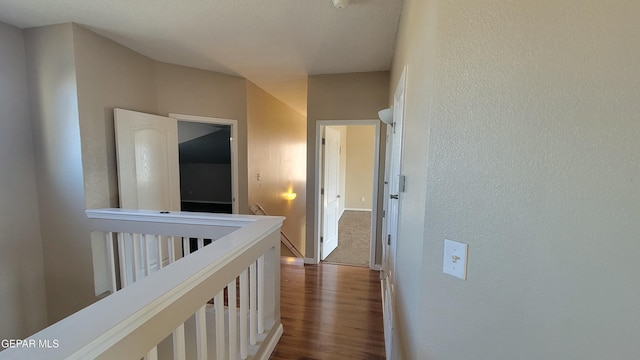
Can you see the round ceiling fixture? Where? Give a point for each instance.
(340, 4)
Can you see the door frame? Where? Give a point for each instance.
(234, 148)
(317, 218)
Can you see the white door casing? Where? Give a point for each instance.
(317, 185)
(330, 199)
(392, 199)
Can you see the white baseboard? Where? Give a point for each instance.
(377, 267)
(310, 261)
(353, 209)
(272, 341)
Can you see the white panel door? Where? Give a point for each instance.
(331, 196)
(148, 167)
(148, 175)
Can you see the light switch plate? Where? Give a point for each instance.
(455, 259)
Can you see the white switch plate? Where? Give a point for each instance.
(455, 259)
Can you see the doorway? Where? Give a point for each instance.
(357, 192)
(208, 164)
(204, 154)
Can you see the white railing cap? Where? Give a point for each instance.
(94, 329)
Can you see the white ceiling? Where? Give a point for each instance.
(273, 43)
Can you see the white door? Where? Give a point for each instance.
(392, 194)
(148, 174)
(330, 199)
(148, 167)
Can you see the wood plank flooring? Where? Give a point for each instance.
(330, 312)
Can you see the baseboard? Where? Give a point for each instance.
(271, 341)
(377, 267)
(310, 261)
(354, 209)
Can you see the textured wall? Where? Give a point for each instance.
(355, 96)
(58, 157)
(22, 292)
(277, 152)
(108, 75)
(530, 110)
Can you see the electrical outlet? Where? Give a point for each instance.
(362, 199)
(455, 259)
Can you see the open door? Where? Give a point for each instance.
(148, 168)
(148, 176)
(330, 199)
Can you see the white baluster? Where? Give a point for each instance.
(233, 320)
(147, 255)
(122, 260)
(201, 333)
(112, 261)
(171, 244)
(252, 305)
(244, 307)
(135, 242)
(186, 246)
(158, 241)
(179, 349)
(152, 354)
(200, 243)
(219, 306)
(261, 294)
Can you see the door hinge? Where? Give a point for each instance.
(384, 213)
(403, 183)
(321, 191)
(389, 239)
(324, 141)
(321, 239)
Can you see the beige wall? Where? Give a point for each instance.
(58, 158)
(277, 152)
(360, 166)
(108, 75)
(189, 91)
(530, 111)
(356, 96)
(22, 292)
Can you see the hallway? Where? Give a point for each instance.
(354, 239)
(330, 312)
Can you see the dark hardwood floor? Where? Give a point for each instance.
(330, 312)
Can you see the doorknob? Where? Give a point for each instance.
(338, 196)
(395, 197)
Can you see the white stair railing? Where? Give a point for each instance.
(167, 312)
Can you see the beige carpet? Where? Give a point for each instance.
(354, 233)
